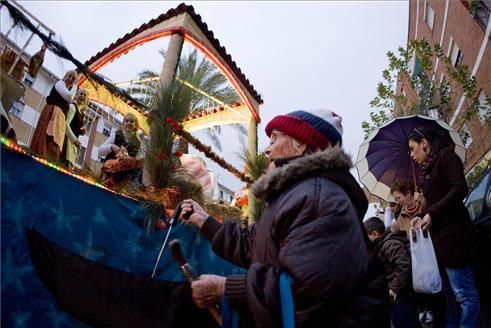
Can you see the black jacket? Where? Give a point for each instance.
(393, 253)
(311, 228)
(452, 230)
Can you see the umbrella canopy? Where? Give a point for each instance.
(384, 157)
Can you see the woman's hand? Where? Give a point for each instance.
(423, 223)
(392, 295)
(198, 215)
(208, 290)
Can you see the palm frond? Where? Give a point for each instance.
(145, 74)
(214, 137)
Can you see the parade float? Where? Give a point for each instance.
(76, 252)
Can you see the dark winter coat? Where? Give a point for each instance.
(310, 228)
(452, 231)
(393, 253)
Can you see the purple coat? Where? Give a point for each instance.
(311, 228)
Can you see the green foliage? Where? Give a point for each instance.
(199, 74)
(376, 120)
(476, 174)
(170, 105)
(257, 165)
(431, 95)
(164, 167)
(225, 212)
(203, 75)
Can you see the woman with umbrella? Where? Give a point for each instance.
(444, 187)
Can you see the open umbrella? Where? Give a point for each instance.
(384, 157)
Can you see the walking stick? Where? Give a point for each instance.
(175, 216)
(190, 274)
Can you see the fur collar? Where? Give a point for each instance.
(280, 178)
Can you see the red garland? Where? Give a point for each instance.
(210, 154)
(174, 125)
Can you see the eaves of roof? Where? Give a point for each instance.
(183, 8)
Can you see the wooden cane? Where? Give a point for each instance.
(191, 275)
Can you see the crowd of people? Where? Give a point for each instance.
(344, 272)
(61, 123)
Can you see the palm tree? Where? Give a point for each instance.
(199, 74)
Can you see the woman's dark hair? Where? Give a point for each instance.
(402, 186)
(435, 138)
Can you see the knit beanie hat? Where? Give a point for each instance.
(318, 129)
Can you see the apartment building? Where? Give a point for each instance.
(462, 29)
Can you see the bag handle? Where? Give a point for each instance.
(413, 241)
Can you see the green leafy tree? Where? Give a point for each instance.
(430, 95)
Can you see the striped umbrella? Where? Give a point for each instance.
(384, 157)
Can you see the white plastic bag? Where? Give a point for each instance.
(426, 275)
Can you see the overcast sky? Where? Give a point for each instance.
(298, 55)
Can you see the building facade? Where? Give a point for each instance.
(24, 113)
(462, 29)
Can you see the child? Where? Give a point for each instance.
(393, 252)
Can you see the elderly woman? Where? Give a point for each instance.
(49, 135)
(452, 231)
(75, 126)
(124, 142)
(310, 230)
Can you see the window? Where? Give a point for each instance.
(221, 194)
(88, 124)
(79, 161)
(456, 55)
(417, 67)
(433, 113)
(28, 80)
(484, 108)
(465, 134)
(107, 129)
(17, 109)
(429, 16)
(480, 10)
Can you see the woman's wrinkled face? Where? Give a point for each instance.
(402, 198)
(282, 146)
(129, 123)
(418, 150)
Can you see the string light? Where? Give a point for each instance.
(11, 145)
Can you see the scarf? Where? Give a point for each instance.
(426, 165)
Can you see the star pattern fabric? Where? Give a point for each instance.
(90, 223)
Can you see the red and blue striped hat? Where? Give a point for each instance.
(319, 129)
